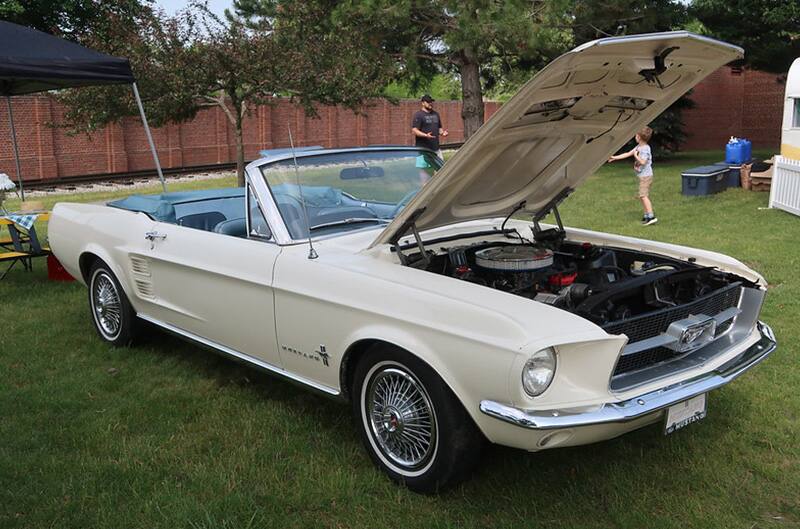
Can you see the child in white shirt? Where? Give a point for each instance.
(643, 168)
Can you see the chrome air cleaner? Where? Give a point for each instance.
(514, 258)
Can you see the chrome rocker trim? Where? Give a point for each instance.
(642, 405)
(242, 357)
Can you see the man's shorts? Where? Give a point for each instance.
(644, 186)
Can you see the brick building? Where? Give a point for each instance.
(729, 102)
(736, 102)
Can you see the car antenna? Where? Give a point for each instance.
(312, 253)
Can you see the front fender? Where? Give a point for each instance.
(469, 369)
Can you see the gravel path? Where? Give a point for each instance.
(131, 184)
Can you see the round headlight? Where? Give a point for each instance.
(538, 372)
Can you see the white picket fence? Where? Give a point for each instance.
(785, 188)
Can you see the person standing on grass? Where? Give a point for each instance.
(643, 168)
(427, 126)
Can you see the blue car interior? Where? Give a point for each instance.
(223, 210)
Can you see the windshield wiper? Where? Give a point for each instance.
(344, 222)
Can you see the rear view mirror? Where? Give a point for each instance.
(353, 173)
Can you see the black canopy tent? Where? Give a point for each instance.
(32, 61)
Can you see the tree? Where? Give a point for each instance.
(197, 59)
(595, 20)
(768, 30)
(71, 19)
(467, 37)
(425, 38)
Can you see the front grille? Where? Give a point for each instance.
(649, 325)
(643, 359)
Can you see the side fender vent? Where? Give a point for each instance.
(140, 267)
(145, 288)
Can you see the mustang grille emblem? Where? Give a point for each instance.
(692, 333)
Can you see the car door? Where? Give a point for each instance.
(216, 287)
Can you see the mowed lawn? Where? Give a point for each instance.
(170, 435)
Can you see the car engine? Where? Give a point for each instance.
(602, 284)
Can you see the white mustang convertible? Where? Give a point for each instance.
(379, 276)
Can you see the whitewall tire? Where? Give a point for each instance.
(414, 428)
(113, 317)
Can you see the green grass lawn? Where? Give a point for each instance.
(170, 435)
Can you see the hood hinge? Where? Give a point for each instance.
(410, 224)
(552, 206)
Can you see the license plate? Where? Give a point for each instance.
(685, 413)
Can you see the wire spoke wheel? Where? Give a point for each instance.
(106, 305)
(401, 417)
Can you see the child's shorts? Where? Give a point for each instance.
(644, 186)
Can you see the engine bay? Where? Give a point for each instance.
(604, 285)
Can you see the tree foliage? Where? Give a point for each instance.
(72, 19)
(768, 30)
(471, 38)
(595, 20)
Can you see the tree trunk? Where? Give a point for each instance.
(471, 94)
(239, 151)
(236, 117)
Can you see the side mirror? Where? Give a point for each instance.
(353, 173)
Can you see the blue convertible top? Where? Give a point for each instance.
(162, 207)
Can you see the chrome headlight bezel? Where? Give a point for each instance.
(539, 371)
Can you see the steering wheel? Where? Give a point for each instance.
(404, 202)
(286, 197)
(291, 209)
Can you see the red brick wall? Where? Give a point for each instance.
(745, 103)
(48, 152)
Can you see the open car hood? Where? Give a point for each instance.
(561, 126)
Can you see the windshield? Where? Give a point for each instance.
(345, 191)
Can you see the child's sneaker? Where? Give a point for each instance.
(649, 220)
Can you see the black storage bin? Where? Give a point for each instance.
(734, 174)
(704, 180)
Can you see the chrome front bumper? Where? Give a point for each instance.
(638, 407)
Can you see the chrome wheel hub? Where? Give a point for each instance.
(107, 305)
(401, 418)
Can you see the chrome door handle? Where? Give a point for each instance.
(152, 236)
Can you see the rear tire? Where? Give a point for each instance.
(112, 314)
(412, 425)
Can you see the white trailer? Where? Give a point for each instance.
(785, 190)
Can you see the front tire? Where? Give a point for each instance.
(413, 426)
(113, 316)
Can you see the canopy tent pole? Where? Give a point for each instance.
(16, 151)
(149, 137)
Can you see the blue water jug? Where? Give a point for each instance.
(747, 150)
(733, 152)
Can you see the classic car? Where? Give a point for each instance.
(433, 297)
